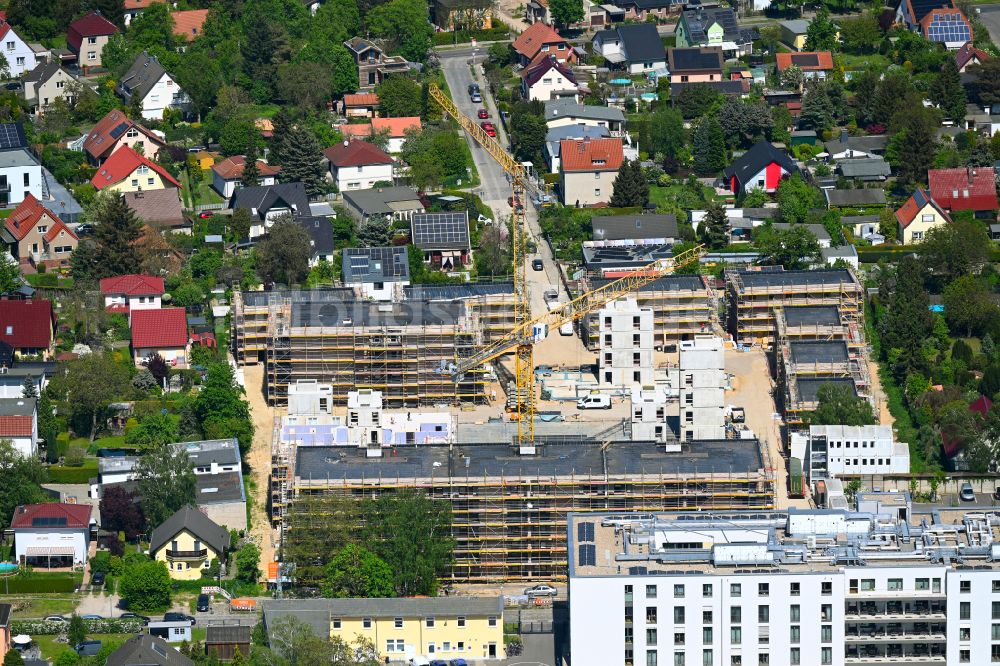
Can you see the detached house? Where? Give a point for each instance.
(374, 66)
(187, 542)
(969, 188)
(116, 130)
(814, 64)
(127, 293)
(160, 331)
(396, 129)
(760, 168)
(87, 36)
(20, 56)
(589, 167)
(443, 238)
(695, 65)
(19, 424)
(45, 84)
(968, 55)
(27, 326)
(36, 236)
(358, 165)
(128, 171)
(227, 175)
(547, 80)
(52, 535)
(377, 272)
(566, 112)
(20, 171)
(919, 215)
(157, 89)
(715, 26)
(188, 24)
(160, 209)
(266, 203)
(636, 49)
(937, 20)
(542, 41)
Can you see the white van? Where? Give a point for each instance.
(566, 329)
(419, 660)
(594, 401)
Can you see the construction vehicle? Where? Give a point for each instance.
(523, 334)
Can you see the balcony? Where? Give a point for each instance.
(895, 654)
(187, 554)
(894, 610)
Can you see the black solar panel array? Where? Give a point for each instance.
(805, 60)
(588, 555)
(12, 136)
(49, 521)
(584, 532)
(441, 230)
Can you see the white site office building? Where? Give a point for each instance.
(834, 450)
(626, 345)
(786, 588)
(701, 388)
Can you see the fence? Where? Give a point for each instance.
(211, 206)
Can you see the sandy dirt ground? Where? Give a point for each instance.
(259, 460)
(881, 402)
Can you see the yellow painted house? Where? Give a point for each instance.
(917, 216)
(434, 627)
(128, 171)
(187, 542)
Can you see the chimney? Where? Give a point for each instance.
(844, 136)
(971, 173)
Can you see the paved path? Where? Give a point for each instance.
(259, 460)
(990, 16)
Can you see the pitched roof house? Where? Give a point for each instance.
(20, 170)
(968, 55)
(814, 64)
(188, 24)
(227, 175)
(762, 167)
(187, 542)
(160, 331)
(125, 293)
(53, 534)
(918, 215)
(160, 208)
(373, 64)
(146, 650)
(45, 84)
(715, 26)
(35, 235)
(87, 36)
(27, 325)
(360, 105)
(157, 89)
(268, 202)
(320, 231)
(19, 424)
(588, 169)
(541, 41)
(376, 270)
(358, 165)
(442, 237)
(20, 56)
(969, 188)
(397, 129)
(115, 130)
(548, 79)
(635, 48)
(695, 65)
(128, 171)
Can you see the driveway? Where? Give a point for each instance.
(990, 16)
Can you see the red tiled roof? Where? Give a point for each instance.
(232, 167)
(90, 25)
(967, 53)
(26, 324)
(122, 164)
(361, 99)
(355, 131)
(591, 154)
(916, 203)
(355, 153)
(928, 19)
(188, 23)
(76, 515)
(16, 426)
(109, 129)
(531, 41)
(824, 61)
(139, 4)
(159, 329)
(28, 213)
(397, 126)
(133, 285)
(971, 188)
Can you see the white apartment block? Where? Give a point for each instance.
(802, 587)
(626, 345)
(833, 450)
(701, 388)
(649, 417)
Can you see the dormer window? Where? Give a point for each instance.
(598, 162)
(132, 133)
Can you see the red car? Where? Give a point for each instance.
(488, 128)
(205, 214)
(483, 113)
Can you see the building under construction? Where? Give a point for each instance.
(753, 295)
(805, 366)
(509, 510)
(683, 306)
(403, 349)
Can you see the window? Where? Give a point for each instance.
(995, 635)
(366, 623)
(135, 182)
(91, 55)
(826, 588)
(397, 622)
(492, 621)
(679, 615)
(678, 659)
(42, 228)
(965, 610)
(995, 653)
(461, 621)
(922, 584)
(91, 40)
(706, 591)
(678, 589)
(735, 635)
(10, 46)
(795, 657)
(796, 613)
(60, 84)
(150, 181)
(826, 612)
(763, 589)
(963, 657)
(394, 645)
(597, 191)
(936, 585)
(650, 657)
(679, 638)
(867, 584)
(446, 646)
(735, 614)
(763, 613)
(706, 658)
(460, 646)
(826, 655)
(826, 633)
(996, 586)
(706, 617)
(430, 648)
(336, 623)
(926, 218)
(763, 659)
(429, 622)
(895, 584)
(735, 590)
(650, 591)
(651, 614)
(794, 634)
(965, 633)
(706, 635)
(651, 637)
(795, 589)
(918, 235)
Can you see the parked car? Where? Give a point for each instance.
(134, 616)
(97, 578)
(541, 590)
(483, 114)
(55, 618)
(84, 230)
(177, 617)
(419, 660)
(966, 494)
(439, 662)
(473, 88)
(488, 128)
(205, 214)
(203, 603)
(92, 616)
(537, 265)
(458, 662)
(477, 98)
(594, 401)
(88, 648)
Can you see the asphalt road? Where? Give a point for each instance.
(990, 16)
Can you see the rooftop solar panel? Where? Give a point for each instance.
(805, 60)
(12, 136)
(435, 231)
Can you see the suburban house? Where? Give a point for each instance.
(227, 175)
(187, 542)
(358, 165)
(172, 631)
(793, 33)
(548, 79)
(443, 238)
(188, 24)
(760, 168)
(917, 216)
(36, 236)
(635, 48)
(45, 84)
(17, 372)
(395, 128)
(128, 171)
(19, 424)
(52, 535)
(320, 231)
(715, 26)
(145, 650)
(614, 229)
(968, 55)
(814, 64)
(695, 64)
(865, 169)
(589, 167)
(470, 628)
(20, 56)
(361, 105)
(937, 20)
(462, 14)
(134, 7)
(116, 130)
(564, 112)
(157, 89)
(161, 209)
(648, 10)
(397, 203)
(223, 642)
(542, 41)
(160, 331)
(87, 36)
(376, 271)
(554, 137)
(373, 64)
(847, 147)
(859, 198)
(964, 188)
(818, 231)
(128, 293)
(20, 171)
(27, 325)
(268, 202)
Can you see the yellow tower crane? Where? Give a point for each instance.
(521, 338)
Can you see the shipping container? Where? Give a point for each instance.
(795, 486)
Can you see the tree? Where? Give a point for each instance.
(956, 249)
(792, 248)
(221, 409)
(200, 76)
(239, 224)
(709, 147)
(145, 585)
(165, 481)
(911, 150)
(238, 135)
(906, 317)
(29, 389)
(77, 632)
(308, 85)
(121, 513)
(91, 383)
(987, 82)
(695, 101)
(792, 77)
(411, 532)
(666, 132)
(251, 172)
(283, 255)
(817, 109)
(895, 93)
(947, 91)
(861, 34)
(493, 257)
(303, 160)
(116, 236)
(744, 123)
(376, 232)
(405, 24)
(154, 430)
(357, 572)
(248, 563)
(13, 658)
(264, 47)
(838, 405)
(157, 367)
(796, 198)
(22, 479)
(48, 427)
(566, 12)
(630, 187)
(10, 275)
(527, 133)
(399, 97)
(714, 227)
(821, 35)
(968, 305)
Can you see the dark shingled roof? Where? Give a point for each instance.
(752, 162)
(265, 197)
(144, 73)
(695, 59)
(227, 634)
(624, 227)
(641, 42)
(146, 650)
(190, 519)
(819, 351)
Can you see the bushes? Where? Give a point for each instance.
(27, 584)
(466, 36)
(106, 626)
(65, 474)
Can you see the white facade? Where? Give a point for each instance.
(361, 177)
(626, 345)
(834, 450)
(20, 175)
(35, 541)
(649, 418)
(163, 95)
(20, 57)
(307, 397)
(701, 388)
(552, 85)
(146, 302)
(227, 186)
(27, 446)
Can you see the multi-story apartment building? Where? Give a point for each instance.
(701, 388)
(834, 450)
(626, 353)
(800, 587)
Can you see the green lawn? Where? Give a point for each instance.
(40, 606)
(203, 194)
(51, 649)
(874, 60)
